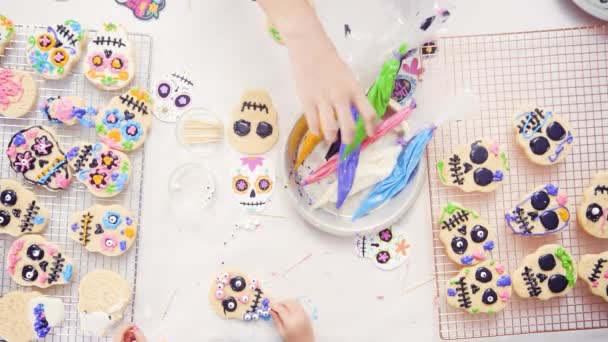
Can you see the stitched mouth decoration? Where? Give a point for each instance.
(30, 219)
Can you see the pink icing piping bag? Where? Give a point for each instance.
(386, 126)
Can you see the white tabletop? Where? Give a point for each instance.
(224, 44)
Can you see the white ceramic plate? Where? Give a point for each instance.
(597, 8)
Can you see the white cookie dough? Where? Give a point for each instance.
(67, 110)
(28, 316)
(253, 127)
(593, 270)
(592, 212)
(479, 166)
(548, 272)
(18, 92)
(483, 288)
(545, 137)
(20, 211)
(235, 295)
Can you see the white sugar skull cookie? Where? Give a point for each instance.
(29, 316)
(105, 172)
(545, 137)
(17, 92)
(483, 288)
(20, 211)
(55, 50)
(593, 270)
(7, 32)
(110, 60)
(254, 128)
(479, 166)
(541, 212)
(173, 96)
(68, 110)
(592, 212)
(467, 238)
(109, 230)
(102, 297)
(253, 182)
(387, 251)
(34, 152)
(123, 125)
(548, 272)
(33, 261)
(235, 295)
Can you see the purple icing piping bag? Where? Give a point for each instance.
(347, 168)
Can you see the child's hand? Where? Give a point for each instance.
(292, 322)
(129, 333)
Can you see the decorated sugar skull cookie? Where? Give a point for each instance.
(541, 212)
(235, 295)
(479, 166)
(173, 96)
(34, 152)
(483, 288)
(592, 212)
(104, 171)
(109, 230)
(28, 316)
(387, 251)
(406, 81)
(68, 110)
(467, 238)
(548, 272)
(545, 137)
(110, 60)
(123, 125)
(593, 270)
(55, 50)
(253, 182)
(102, 297)
(20, 211)
(17, 92)
(254, 128)
(33, 261)
(7, 32)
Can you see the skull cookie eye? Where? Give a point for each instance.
(182, 101)
(539, 145)
(35, 253)
(383, 257)
(549, 220)
(539, 200)
(459, 245)
(229, 304)
(479, 154)
(483, 176)
(594, 212)
(5, 218)
(59, 57)
(97, 60)
(163, 90)
(242, 127)
(557, 283)
(240, 185)
(8, 197)
(45, 41)
(117, 64)
(263, 184)
(483, 275)
(489, 297)
(29, 273)
(238, 284)
(264, 129)
(555, 131)
(479, 234)
(386, 235)
(546, 262)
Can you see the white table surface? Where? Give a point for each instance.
(224, 45)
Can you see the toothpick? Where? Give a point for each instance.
(420, 284)
(268, 215)
(169, 304)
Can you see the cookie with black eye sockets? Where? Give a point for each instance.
(592, 212)
(254, 123)
(235, 295)
(593, 270)
(20, 211)
(548, 272)
(545, 137)
(475, 167)
(467, 238)
(483, 288)
(540, 212)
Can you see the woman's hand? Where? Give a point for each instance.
(292, 322)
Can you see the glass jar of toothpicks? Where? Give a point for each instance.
(200, 131)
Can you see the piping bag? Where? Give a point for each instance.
(347, 168)
(393, 184)
(308, 145)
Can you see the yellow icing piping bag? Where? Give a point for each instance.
(308, 145)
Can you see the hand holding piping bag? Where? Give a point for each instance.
(292, 321)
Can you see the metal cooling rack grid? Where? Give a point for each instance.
(564, 70)
(62, 204)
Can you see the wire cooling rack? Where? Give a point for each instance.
(563, 70)
(62, 204)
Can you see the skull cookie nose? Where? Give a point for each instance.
(252, 194)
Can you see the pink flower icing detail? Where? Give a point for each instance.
(494, 148)
(606, 275)
(11, 90)
(562, 199)
(51, 249)
(62, 182)
(595, 284)
(122, 59)
(42, 278)
(477, 255)
(63, 108)
(11, 152)
(98, 68)
(499, 268)
(504, 296)
(31, 133)
(111, 143)
(13, 258)
(108, 242)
